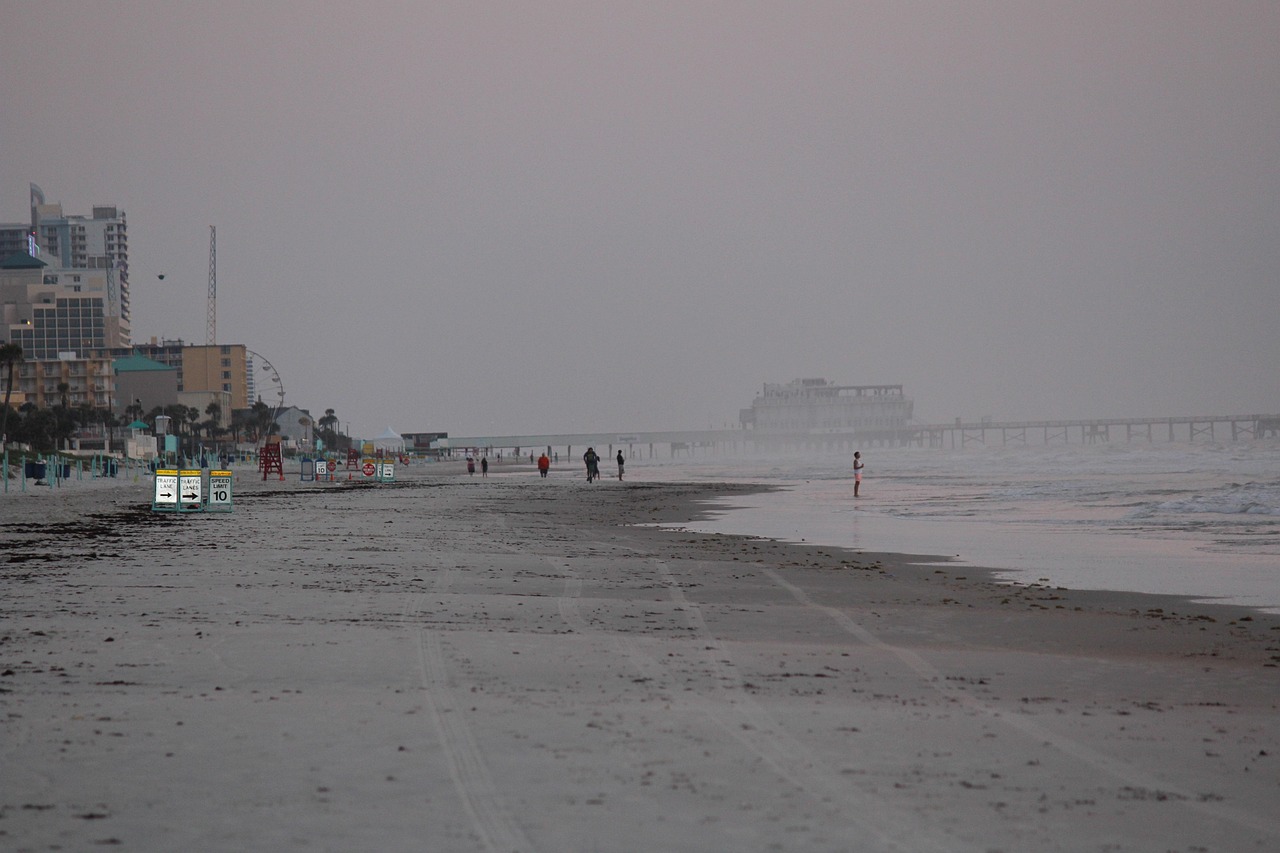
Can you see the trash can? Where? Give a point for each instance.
(36, 470)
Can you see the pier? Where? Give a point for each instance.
(956, 435)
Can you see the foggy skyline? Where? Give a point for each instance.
(491, 218)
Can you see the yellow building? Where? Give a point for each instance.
(221, 368)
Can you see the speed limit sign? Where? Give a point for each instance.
(219, 490)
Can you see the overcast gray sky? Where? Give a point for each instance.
(576, 216)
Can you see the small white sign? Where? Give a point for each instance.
(189, 487)
(166, 487)
(219, 488)
(322, 468)
(388, 472)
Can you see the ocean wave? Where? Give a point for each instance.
(1236, 499)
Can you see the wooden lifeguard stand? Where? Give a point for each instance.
(269, 458)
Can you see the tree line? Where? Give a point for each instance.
(51, 428)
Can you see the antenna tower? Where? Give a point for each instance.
(212, 337)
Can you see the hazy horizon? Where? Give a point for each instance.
(547, 217)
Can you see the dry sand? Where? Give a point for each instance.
(457, 664)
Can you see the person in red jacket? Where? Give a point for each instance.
(544, 465)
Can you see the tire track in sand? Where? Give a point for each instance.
(484, 804)
(936, 679)
(749, 723)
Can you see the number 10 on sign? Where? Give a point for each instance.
(219, 491)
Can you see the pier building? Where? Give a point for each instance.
(819, 406)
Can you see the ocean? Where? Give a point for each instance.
(1199, 520)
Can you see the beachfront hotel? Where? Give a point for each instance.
(87, 253)
(207, 368)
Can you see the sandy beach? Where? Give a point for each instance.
(512, 664)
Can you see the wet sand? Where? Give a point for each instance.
(509, 664)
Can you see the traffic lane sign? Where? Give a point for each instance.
(166, 487)
(189, 487)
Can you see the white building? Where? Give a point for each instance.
(99, 245)
(816, 406)
(297, 427)
(86, 254)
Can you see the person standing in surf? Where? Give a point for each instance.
(857, 472)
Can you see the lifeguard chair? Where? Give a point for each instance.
(269, 458)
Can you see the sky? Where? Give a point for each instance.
(544, 217)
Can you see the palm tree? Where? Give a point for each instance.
(64, 419)
(11, 357)
(213, 426)
(194, 425)
(328, 431)
(240, 422)
(109, 424)
(264, 419)
(39, 427)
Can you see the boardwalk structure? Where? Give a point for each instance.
(957, 435)
(1186, 428)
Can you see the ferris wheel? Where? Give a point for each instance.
(273, 376)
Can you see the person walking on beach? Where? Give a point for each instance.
(620, 461)
(471, 466)
(484, 466)
(857, 472)
(544, 465)
(593, 463)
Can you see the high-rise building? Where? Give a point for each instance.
(15, 238)
(20, 237)
(99, 244)
(52, 313)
